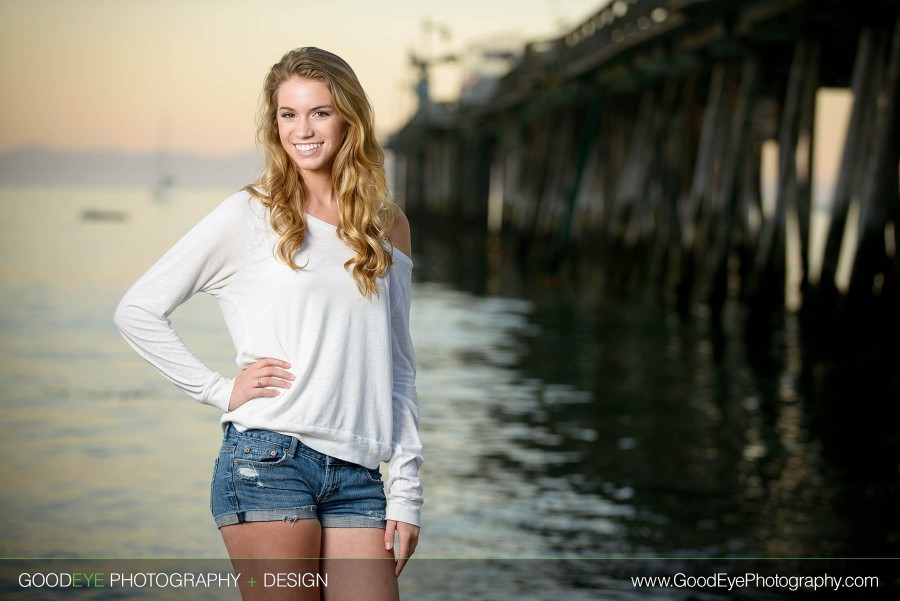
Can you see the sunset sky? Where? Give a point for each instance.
(91, 74)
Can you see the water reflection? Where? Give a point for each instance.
(607, 426)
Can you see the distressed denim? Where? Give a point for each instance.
(263, 476)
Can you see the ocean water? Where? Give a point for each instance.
(573, 440)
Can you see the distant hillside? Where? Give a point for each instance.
(110, 167)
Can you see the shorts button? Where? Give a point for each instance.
(272, 453)
(246, 449)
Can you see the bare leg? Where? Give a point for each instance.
(261, 548)
(357, 566)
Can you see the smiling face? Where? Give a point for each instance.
(310, 127)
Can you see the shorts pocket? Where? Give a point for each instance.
(260, 453)
(221, 498)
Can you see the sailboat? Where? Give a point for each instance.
(164, 182)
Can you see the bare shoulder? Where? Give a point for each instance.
(400, 235)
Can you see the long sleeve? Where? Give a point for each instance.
(203, 260)
(404, 489)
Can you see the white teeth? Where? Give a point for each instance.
(306, 147)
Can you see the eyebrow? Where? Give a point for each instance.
(315, 108)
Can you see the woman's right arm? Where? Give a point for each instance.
(205, 259)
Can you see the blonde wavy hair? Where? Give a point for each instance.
(367, 211)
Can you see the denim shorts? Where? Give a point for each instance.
(263, 476)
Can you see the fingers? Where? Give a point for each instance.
(404, 551)
(272, 376)
(261, 392)
(408, 538)
(270, 372)
(262, 378)
(398, 567)
(389, 529)
(268, 361)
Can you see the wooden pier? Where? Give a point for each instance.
(639, 135)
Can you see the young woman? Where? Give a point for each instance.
(310, 266)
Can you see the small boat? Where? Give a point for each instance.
(104, 215)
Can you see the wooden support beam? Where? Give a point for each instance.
(633, 176)
(865, 70)
(646, 191)
(749, 212)
(588, 199)
(618, 128)
(726, 195)
(694, 209)
(559, 161)
(767, 279)
(512, 152)
(880, 198)
(678, 149)
(704, 166)
(802, 195)
(537, 139)
(586, 148)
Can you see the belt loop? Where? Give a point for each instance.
(295, 442)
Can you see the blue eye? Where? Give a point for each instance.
(286, 115)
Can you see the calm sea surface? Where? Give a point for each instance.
(568, 432)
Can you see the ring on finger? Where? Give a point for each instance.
(259, 383)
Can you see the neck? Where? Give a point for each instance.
(319, 191)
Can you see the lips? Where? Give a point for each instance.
(307, 147)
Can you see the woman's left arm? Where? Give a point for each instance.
(404, 489)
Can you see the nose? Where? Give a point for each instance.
(304, 128)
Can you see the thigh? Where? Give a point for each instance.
(357, 565)
(272, 557)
